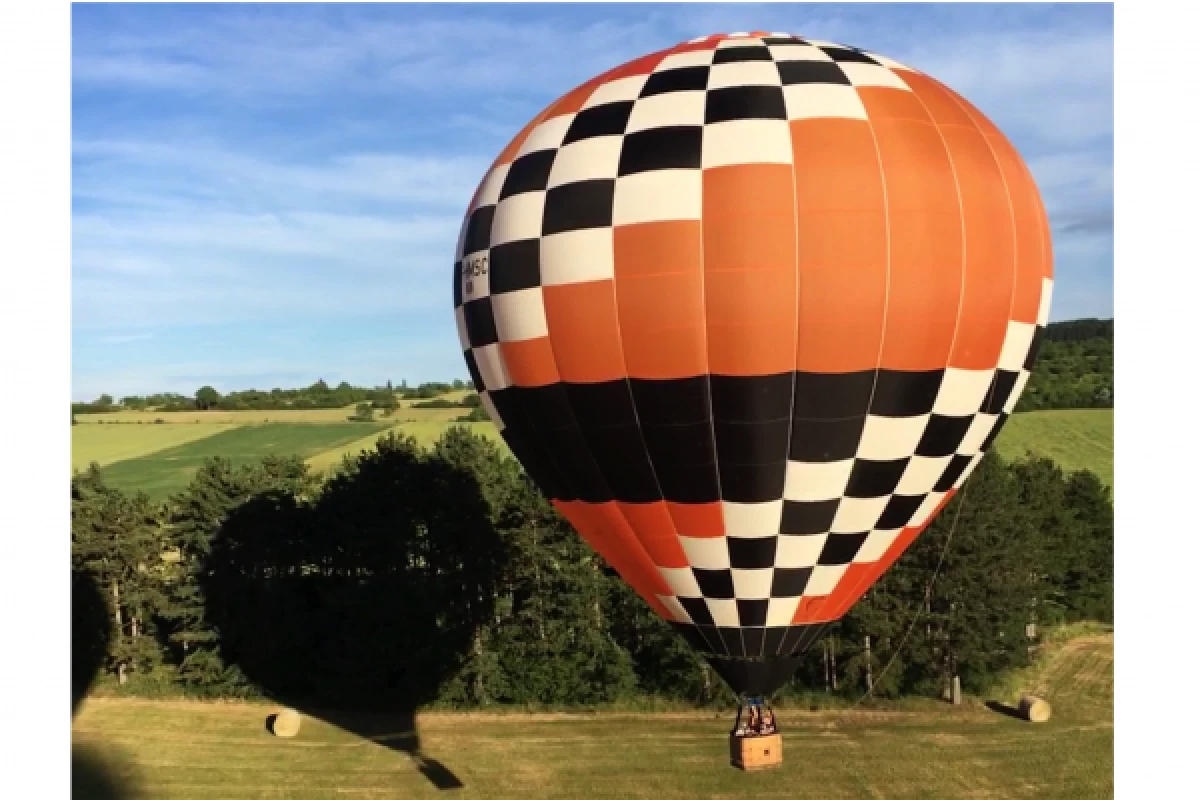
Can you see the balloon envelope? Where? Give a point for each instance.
(749, 310)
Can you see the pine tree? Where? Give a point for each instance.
(198, 514)
(118, 540)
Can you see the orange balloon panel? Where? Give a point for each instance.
(749, 310)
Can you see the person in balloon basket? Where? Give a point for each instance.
(759, 722)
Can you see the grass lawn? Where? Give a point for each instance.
(1076, 439)
(327, 460)
(166, 471)
(187, 750)
(106, 444)
(215, 416)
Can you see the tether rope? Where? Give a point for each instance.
(924, 601)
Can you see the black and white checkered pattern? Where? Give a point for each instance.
(862, 456)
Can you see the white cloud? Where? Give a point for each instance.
(183, 218)
(125, 338)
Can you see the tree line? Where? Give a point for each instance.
(318, 395)
(414, 576)
(1074, 369)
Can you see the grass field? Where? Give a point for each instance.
(326, 460)
(106, 444)
(1077, 439)
(221, 750)
(166, 471)
(161, 458)
(206, 417)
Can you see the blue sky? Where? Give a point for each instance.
(267, 195)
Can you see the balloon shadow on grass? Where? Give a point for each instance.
(93, 774)
(357, 608)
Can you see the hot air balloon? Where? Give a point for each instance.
(749, 310)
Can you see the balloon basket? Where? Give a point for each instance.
(755, 752)
(755, 742)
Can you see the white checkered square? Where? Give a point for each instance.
(921, 474)
(792, 52)
(1043, 317)
(808, 482)
(622, 89)
(460, 323)
(1017, 341)
(681, 580)
(823, 101)
(824, 580)
(477, 284)
(706, 552)
(858, 514)
(724, 612)
(548, 135)
(795, 552)
(746, 141)
(752, 520)
(743, 73)
(520, 315)
(665, 194)
(587, 159)
(669, 109)
(876, 545)
(752, 584)
(491, 367)
(489, 193)
(962, 391)
(518, 217)
(577, 256)
(781, 610)
(691, 58)
(872, 76)
(890, 438)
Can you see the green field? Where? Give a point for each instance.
(106, 444)
(165, 749)
(160, 458)
(166, 471)
(1077, 439)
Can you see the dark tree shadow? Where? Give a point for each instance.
(357, 609)
(92, 775)
(91, 631)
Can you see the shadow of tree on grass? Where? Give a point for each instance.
(94, 775)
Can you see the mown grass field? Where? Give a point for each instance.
(221, 750)
(106, 444)
(1076, 439)
(160, 458)
(166, 471)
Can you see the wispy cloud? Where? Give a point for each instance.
(125, 338)
(240, 166)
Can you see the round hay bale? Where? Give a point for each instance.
(285, 724)
(1034, 709)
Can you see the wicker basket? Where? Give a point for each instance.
(756, 752)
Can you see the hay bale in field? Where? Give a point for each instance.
(284, 724)
(1034, 709)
